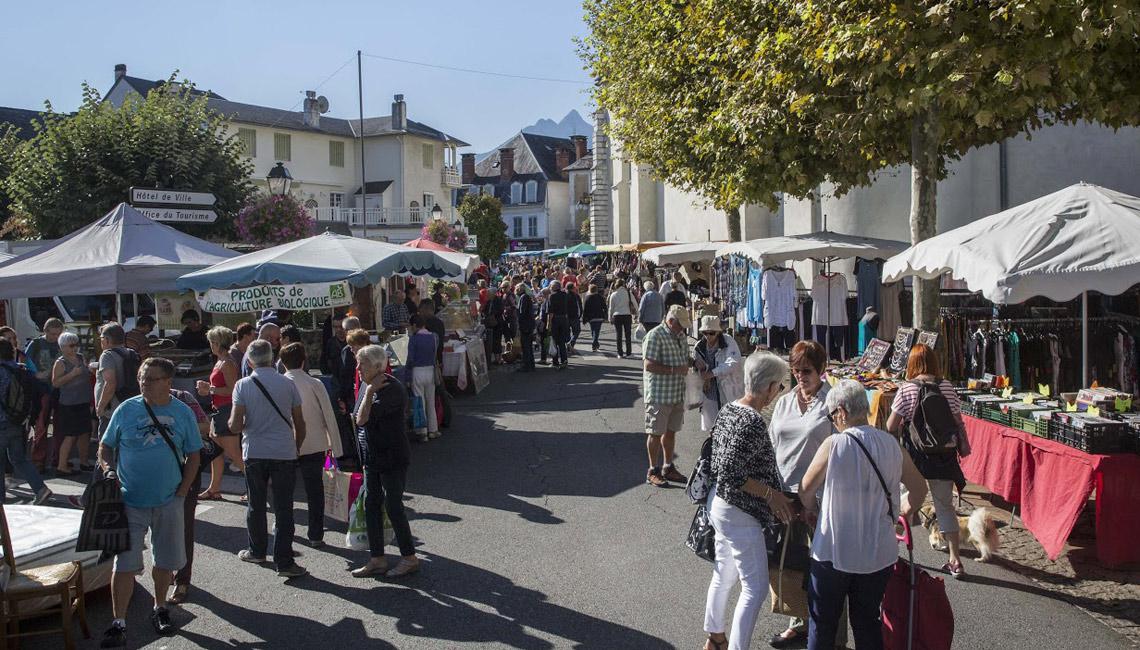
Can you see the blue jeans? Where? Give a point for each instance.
(12, 442)
(274, 479)
(595, 332)
(828, 588)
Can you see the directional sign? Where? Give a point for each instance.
(144, 195)
(179, 214)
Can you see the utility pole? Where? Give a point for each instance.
(363, 177)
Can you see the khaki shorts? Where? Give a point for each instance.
(660, 418)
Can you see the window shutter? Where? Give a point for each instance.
(248, 140)
(282, 146)
(336, 153)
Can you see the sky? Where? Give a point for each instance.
(269, 53)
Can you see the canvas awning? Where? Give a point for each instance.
(123, 252)
(682, 253)
(823, 246)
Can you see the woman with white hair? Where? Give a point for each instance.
(854, 547)
(651, 309)
(747, 497)
(717, 358)
(72, 378)
(385, 454)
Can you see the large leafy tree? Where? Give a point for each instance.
(79, 166)
(482, 214)
(9, 144)
(779, 96)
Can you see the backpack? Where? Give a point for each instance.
(933, 429)
(127, 386)
(21, 400)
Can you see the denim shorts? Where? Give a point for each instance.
(167, 541)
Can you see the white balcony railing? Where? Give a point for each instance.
(451, 177)
(378, 217)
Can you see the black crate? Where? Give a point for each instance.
(1104, 438)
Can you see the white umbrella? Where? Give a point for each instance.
(824, 246)
(682, 253)
(1060, 246)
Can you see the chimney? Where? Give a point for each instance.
(399, 113)
(579, 146)
(467, 168)
(506, 164)
(311, 113)
(120, 71)
(561, 158)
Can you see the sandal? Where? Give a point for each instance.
(956, 570)
(210, 495)
(179, 595)
(716, 645)
(404, 568)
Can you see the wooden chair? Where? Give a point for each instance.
(64, 581)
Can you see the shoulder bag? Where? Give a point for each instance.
(271, 402)
(890, 504)
(165, 435)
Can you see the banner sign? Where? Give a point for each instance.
(293, 297)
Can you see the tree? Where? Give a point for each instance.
(79, 167)
(780, 96)
(270, 220)
(483, 215)
(9, 144)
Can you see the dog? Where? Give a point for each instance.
(979, 530)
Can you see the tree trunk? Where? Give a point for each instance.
(732, 218)
(924, 139)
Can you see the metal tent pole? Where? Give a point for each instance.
(1085, 339)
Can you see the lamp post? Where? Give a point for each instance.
(279, 180)
(436, 212)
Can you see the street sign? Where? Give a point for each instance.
(178, 197)
(179, 215)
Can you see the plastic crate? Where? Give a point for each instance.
(1106, 438)
(970, 409)
(993, 414)
(1030, 425)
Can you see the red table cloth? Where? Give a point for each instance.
(1052, 482)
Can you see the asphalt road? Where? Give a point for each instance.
(537, 531)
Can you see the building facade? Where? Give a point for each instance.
(411, 167)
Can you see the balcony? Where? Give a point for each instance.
(374, 217)
(451, 176)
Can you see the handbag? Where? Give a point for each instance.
(700, 479)
(702, 536)
(104, 523)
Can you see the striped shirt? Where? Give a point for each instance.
(907, 398)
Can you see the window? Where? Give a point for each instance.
(336, 199)
(531, 191)
(247, 138)
(516, 193)
(428, 151)
(532, 226)
(282, 146)
(336, 153)
(489, 190)
(429, 201)
(517, 230)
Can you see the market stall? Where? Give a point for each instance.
(677, 254)
(1063, 245)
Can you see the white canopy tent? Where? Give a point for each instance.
(682, 253)
(1063, 245)
(123, 252)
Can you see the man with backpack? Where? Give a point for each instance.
(20, 401)
(117, 377)
(41, 354)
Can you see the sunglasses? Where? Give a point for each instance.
(831, 416)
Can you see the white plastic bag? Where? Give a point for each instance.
(694, 390)
(639, 333)
(357, 536)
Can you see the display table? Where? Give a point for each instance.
(1052, 482)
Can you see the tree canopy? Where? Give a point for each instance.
(482, 214)
(78, 167)
(743, 99)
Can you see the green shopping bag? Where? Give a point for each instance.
(357, 536)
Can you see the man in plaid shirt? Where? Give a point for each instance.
(395, 315)
(666, 353)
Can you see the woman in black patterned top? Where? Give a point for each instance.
(747, 496)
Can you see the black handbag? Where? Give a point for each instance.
(786, 544)
(702, 536)
(104, 523)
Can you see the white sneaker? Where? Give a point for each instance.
(434, 434)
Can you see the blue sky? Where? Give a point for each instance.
(269, 53)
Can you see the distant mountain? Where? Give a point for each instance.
(572, 124)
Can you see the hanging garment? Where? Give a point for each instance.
(890, 316)
(778, 290)
(1015, 360)
(829, 300)
(868, 284)
(755, 302)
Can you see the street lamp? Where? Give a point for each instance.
(436, 212)
(458, 225)
(278, 180)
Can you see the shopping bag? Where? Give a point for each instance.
(341, 489)
(419, 416)
(551, 349)
(639, 333)
(694, 390)
(103, 526)
(357, 536)
(916, 611)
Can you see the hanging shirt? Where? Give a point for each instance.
(868, 283)
(778, 290)
(829, 300)
(755, 302)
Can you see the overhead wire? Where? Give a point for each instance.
(490, 73)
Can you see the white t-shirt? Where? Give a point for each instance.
(797, 436)
(829, 307)
(778, 290)
(855, 531)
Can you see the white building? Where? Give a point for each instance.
(411, 167)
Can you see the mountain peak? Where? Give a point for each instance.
(572, 124)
